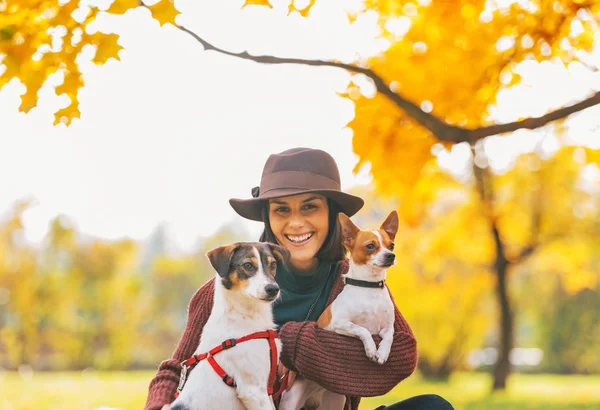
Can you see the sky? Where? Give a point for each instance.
(171, 132)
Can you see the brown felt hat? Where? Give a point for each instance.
(297, 171)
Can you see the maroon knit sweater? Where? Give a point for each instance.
(336, 362)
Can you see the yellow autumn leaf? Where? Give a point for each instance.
(303, 11)
(107, 47)
(12, 70)
(257, 3)
(121, 6)
(164, 11)
(71, 83)
(66, 115)
(28, 100)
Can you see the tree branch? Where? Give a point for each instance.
(442, 130)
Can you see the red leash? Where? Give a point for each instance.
(270, 335)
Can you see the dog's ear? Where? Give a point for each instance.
(280, 253)
(349, 230)
(220, 258)
(390, 225)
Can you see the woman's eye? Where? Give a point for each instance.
(282, 209)
(309, 206)
(370, 246)
(392, 247)
(248, 266)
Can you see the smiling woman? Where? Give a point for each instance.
(298, 201)
(301, 224)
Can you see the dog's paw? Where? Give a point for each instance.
(382, 357)
(371, 352)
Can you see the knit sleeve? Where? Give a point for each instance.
(163, 386)
(339, 363)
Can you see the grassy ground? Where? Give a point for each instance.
(466, 391)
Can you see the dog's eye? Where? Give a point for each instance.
(248, 266)
(370, 247)
(273, 265)
(392, 247)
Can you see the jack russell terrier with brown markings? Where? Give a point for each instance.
(363, 308)
(235, 364)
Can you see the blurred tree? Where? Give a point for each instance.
(76, 302)
(171, 282)
(20, 316)
(571, 315)
(435, 84)
(437, 81)
(441, 260)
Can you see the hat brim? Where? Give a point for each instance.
(252, 208)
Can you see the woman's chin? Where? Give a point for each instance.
(303, 260)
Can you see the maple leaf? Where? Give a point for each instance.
(164, 11)
(257, 3)
(303, 11)
(108, 47)
(71, 83)
(121, 6)
(12, 70)
(66, 115)
(29, 99)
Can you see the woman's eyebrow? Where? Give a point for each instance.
(274, 201)
(310, 199)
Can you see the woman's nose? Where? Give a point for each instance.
(296, 221)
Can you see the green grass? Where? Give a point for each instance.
(471, 391)
(466, 391)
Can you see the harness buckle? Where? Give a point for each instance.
(229, 380)
(228, 344)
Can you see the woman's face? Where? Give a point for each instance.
(300, 224)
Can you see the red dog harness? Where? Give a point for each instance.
(270, 335)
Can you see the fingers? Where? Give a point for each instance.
(281, 369)
(291, 380)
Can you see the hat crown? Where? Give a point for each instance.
(314, 161)
(293, 172)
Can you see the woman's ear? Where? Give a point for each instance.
(220, 258)
(280, 253)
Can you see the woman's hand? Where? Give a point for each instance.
(282, 371)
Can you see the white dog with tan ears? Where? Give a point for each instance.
(235, 364)
(363, 308)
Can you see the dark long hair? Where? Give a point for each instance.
(332, 249)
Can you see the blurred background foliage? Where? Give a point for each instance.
(498, 262)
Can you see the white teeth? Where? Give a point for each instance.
(299, 238)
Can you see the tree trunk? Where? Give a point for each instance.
(502, 367)
(486, 192)
(435, 371)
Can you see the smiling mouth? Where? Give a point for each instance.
(299, 239)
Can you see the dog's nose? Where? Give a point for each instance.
(390, 258)
(271, 289)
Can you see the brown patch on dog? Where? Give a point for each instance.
(325, 318)
(237, 275)
(220, 258)
(280, 253)
(361, 252)
(387, 242)
(237, 281)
